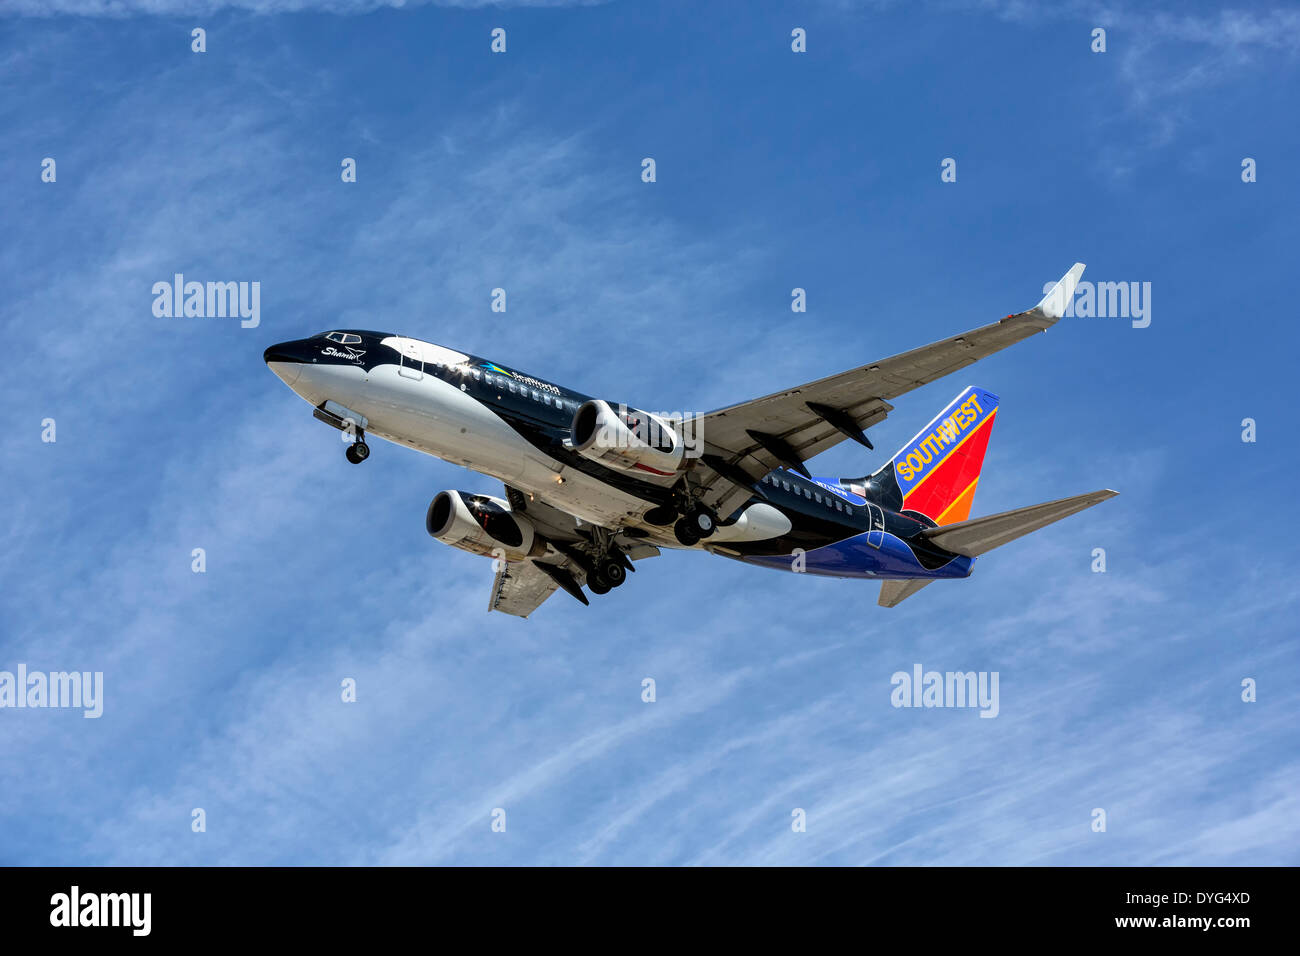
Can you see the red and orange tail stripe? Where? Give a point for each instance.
(939, 469)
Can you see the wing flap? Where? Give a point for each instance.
(520, 588)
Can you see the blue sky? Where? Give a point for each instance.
(1118, 691)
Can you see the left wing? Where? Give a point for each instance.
(742, 443)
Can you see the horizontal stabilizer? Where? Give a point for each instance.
(978, 535)
(894, 593)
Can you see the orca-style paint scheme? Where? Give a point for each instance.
(592, 486)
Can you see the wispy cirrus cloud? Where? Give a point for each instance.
(1120, 690)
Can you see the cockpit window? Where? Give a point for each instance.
(344, 338)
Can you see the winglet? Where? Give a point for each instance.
(1054, 304)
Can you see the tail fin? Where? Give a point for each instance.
(937, 471)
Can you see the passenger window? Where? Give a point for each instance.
(785, 485)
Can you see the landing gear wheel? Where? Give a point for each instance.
(696, 523)
(612, 571)
(357, 452)
(685, 533)
(701, 521)
(597, 585)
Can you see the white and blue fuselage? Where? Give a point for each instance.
(517, 428)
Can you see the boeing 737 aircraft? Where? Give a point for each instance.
(592, 486)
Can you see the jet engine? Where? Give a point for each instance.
(482, 524)
(627, 439)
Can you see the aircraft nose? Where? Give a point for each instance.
(284, 352)
(285, 360)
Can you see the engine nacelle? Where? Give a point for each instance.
(628, 439)
(482, 524)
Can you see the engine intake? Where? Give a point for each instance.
(483, 525)
(627, 439)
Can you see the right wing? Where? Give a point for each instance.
(748, 440)
(520, 587)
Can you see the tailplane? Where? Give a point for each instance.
(893, 593)
(979, 535)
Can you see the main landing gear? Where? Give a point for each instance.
(692, 520)
(358, 451)
(606, 573)
(607, 567)
(697, 523)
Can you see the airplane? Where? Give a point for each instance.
(592, 486)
